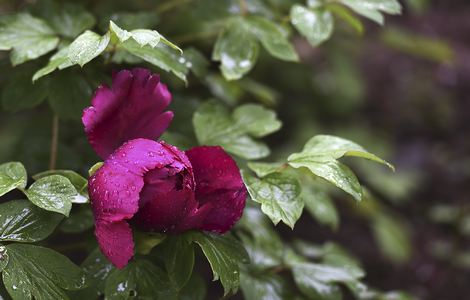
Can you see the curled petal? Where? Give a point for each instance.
(115, 191)
(220, 190)
(131, 108)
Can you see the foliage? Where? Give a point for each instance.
(229, 68)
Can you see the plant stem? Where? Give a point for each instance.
(54, 142)
(243, 7)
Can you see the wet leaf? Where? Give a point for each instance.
(372, 9)
(326, 147)
(140, 279)
(12, 176)
(256, 120)
(315, 24)
(236, 49)
(86, 47)
(262, 169)
(77, 180)
(97, 268)
(214, 126)
(195, 289)
(272, 37)
(54, 193)
(28, 37)
(320, 206)
(320, 156)
(225, 255)
(178, 256)
(40, 272)
(21, 221)
(279, 196)
(264, 286)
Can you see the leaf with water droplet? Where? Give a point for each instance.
(12, 175)
(21, 221)
(279, 196)
(54, 193)
(225, 255)
(40, 272)
(4, 258)
(78, 181)
(140, 279)
(236, 48)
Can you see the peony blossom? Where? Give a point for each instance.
(150, 184)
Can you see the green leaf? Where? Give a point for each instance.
(264, 287)
(77, 180)
(4, 258)
(325, 273)
(178, 256)
(320, 206)
(140, 278)
(264, 245)
(315, 24)
(236, 49)
(336, 173)
(315, 289)
(40, 272)
(142, 36)
(146, 45)
(214, 126)
(78, 221)
(21, 221)
(20, 93)
(392, 237)
(70, 19)
(262, 168)
(69, 94)
(58, 60)
(54, 193)
(225, 254)
(28, 37)
(195, 289)
(146, 241)
(272, 37)
(197, 62)
(12, 176)
(97, 268)
(279, 196)
(372, 8)
(347, 16)
(95, 168)
(86, 47)
(325, 148)
(256, 120)
(319, 156)
(160, 56)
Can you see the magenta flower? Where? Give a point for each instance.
(132, 108)
(152, 185)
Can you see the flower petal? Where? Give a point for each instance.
(132, 108)
(167, 196)
(220, 190)
(115, 190)
(115, 240)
